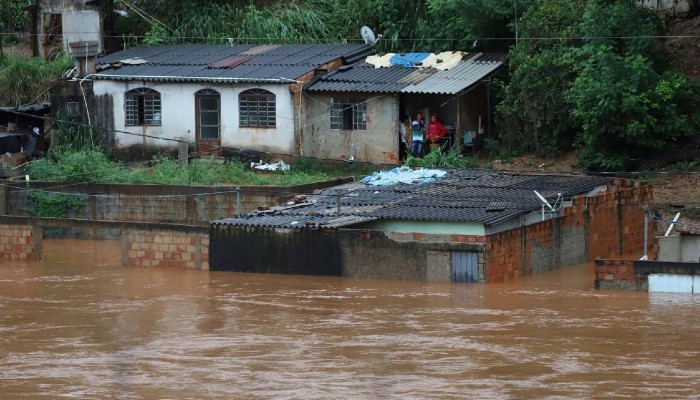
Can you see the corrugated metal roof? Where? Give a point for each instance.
(454, 80)
(194, 63)
(365, 78)
(465, 195)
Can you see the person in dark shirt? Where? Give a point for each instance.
(29, 145)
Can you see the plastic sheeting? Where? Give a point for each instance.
(404, 175)
(278, 166)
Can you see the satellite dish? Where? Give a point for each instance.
(368, 36)
(543, 200)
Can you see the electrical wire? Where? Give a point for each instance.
(224, 40)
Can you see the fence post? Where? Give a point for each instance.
(238, 201)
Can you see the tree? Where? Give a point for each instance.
(456, 24)
(534, 115)
(627, 100)
(11, 19)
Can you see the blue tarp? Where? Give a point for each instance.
(408, 59)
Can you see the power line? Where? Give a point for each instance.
(225, 39)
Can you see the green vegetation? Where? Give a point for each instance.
(69, 165)
(590, 76)
(597, 79)
(406, 25)
(437, 158)
(27, 81)
(55, 204)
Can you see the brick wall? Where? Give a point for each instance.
(504, 260)
(608, 225)
(163, 248)
(18, 242)
(615, 274)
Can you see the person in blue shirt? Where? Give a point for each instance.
(417, 137)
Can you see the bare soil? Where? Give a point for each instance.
(670, 186)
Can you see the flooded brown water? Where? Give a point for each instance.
(77, 325)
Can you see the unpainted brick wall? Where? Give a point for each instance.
(614, 270)
(504, 259)
(616, 275)
(17, 242)
(165, 249)
(602, 226)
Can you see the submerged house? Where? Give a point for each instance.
(210, 97)
(354, 111)
(468, 225)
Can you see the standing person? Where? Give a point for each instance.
(404, 126)
(416, 137)
(421, 121)
(29, 146)
(435, 131)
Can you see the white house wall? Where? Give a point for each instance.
(379, 143)
(178, 116)
(82, 25)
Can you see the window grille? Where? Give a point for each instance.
(142, 107)
(257, 109)
(348, 113)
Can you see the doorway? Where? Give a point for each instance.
(208, 114)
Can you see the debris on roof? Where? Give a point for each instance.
(404, 175)
(490, 197)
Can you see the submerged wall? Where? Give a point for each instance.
(19, 242)
(634, 275)
(607, 225)
(192, 205)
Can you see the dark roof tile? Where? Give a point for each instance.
(490, 197)
(280, 63)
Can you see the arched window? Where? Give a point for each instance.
(257, 109)
(142, 107)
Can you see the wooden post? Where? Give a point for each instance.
(3, 200)
(182, 153)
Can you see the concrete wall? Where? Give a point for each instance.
(403, 256)
(630, 274)
(19, 242)
(679, 248)
(82, 25)
(193, 205)
(351, 253)
(178, 116)
(379, 143)
(79, 22)
(431, 227)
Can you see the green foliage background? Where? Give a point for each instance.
(589, 75)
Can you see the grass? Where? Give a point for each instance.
(94, 166)
(27, 80)
(437, 158)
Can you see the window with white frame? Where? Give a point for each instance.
(257, 109)
(142, 107)
(348, 113)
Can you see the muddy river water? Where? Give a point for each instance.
(78, 325)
